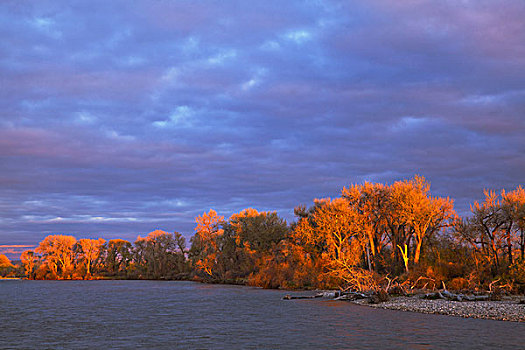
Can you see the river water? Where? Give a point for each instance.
(187, 315)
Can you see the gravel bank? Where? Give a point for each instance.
(505, 310)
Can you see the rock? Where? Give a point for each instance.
(352, 296)
(433, 296)
(334, 294)
(378, 297)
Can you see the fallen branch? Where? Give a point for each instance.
(446, 295)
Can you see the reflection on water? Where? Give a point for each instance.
(155, 314)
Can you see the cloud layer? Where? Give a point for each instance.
(120, 118)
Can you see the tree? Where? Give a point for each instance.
(180, 241)
(249, 238)
(423, 214)
(513, 206)
(400, 218)
(57, 251)
(118, 256)
(204, 246)
(486, 227)
(29, 260)
(5, 265)
(260, 230)
(333, 232)
(494, 233)
(371, 201)
(89, 251)
(160, 254)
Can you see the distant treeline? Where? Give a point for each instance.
(372, 235)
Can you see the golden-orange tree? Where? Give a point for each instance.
(397, 220)
(420, 214)
(88, 251)
(513, 206)
(5, 265)
(332, 232)
(204, 244)
(57, 252)
(29, 261)
(370, 201)
(372, 228)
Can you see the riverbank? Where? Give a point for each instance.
(508, 309)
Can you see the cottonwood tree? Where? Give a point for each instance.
(487, 228)
(118, 255)
(160, 254)
(513, 206)
(204, 247)
(370, 201)
(420, 213)
(5, 265)
(332, 231)
(400, 219)
(248, 239)
(89, 251)
(496, 229)
(57, 251)
(29, 261)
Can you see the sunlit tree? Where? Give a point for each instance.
(89, 251)
(513, 206)
(57, 251)
(204, 248)
(370, 202)
(5, 265)
(29, 260)
(421, 214)
(333, 231)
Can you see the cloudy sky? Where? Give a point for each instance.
(121, 117)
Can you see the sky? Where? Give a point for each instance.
(121, 117)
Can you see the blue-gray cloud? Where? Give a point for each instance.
(119, 118)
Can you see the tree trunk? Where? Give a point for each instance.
(509, 242)
(418, 250)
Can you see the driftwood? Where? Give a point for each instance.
(332, 295)
(446, 295)
(292, 297)
(351, 296)
(336, 295)
(382, 295)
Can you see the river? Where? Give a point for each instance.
(187, 315)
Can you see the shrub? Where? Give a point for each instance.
(458, 283)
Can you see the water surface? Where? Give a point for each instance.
(167, 315)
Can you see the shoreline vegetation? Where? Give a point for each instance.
(379, 239)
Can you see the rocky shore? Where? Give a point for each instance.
(508, 309)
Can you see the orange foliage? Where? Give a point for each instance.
(29, 260)
(90, 251)
(58, 253)
(398, 230)
(207, 231)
